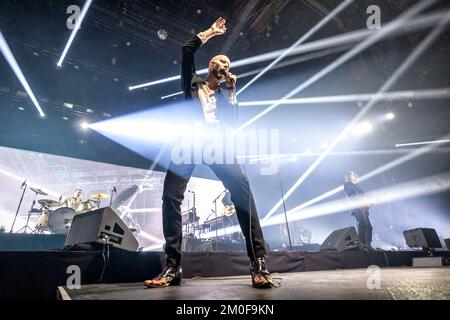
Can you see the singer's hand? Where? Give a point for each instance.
(219, 27)
(230, 80)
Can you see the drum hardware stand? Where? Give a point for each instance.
(20, 203)
(38, 229)
(24, 228)
(97, 203)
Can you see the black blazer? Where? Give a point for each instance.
(190, 81)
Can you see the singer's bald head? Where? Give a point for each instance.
(221, 57)
(219, 65)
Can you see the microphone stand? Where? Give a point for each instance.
(20, 203)
(215, 207)
(194, 214)
(285, 214)
(112, 192)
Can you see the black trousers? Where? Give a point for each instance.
(364, 227)
(235, 181)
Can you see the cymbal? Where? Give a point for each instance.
(49, 203)
(39, 191)
(99, 196)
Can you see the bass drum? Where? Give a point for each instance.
(60, 220)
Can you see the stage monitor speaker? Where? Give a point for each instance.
(447, 243)
(341, 240)
(422, 238)
(98, 225)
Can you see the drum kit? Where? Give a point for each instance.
(55, 218)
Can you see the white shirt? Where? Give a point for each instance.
(207, 98)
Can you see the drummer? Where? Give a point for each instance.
(74, 201)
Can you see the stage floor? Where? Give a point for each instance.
(403, 283)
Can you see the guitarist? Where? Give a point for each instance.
(361, 214)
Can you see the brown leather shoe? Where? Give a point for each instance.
(169, 277)
(261, 277)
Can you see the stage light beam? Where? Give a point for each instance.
(303, 58)
(6, 51)
(388, 166)
(409, 61)
(375, 37)
(77, 27)
(302, 39)
(419, 23)
(411, 189)
(398, 145)
(439, 93)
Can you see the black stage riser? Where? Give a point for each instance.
(31, 242)
(36, 275)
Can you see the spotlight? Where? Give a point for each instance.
(390, 116)
(162, 34)
(84, 125)
(362, 128)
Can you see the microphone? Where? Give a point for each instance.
(23, 184)
(224, 72)
(114, 189)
